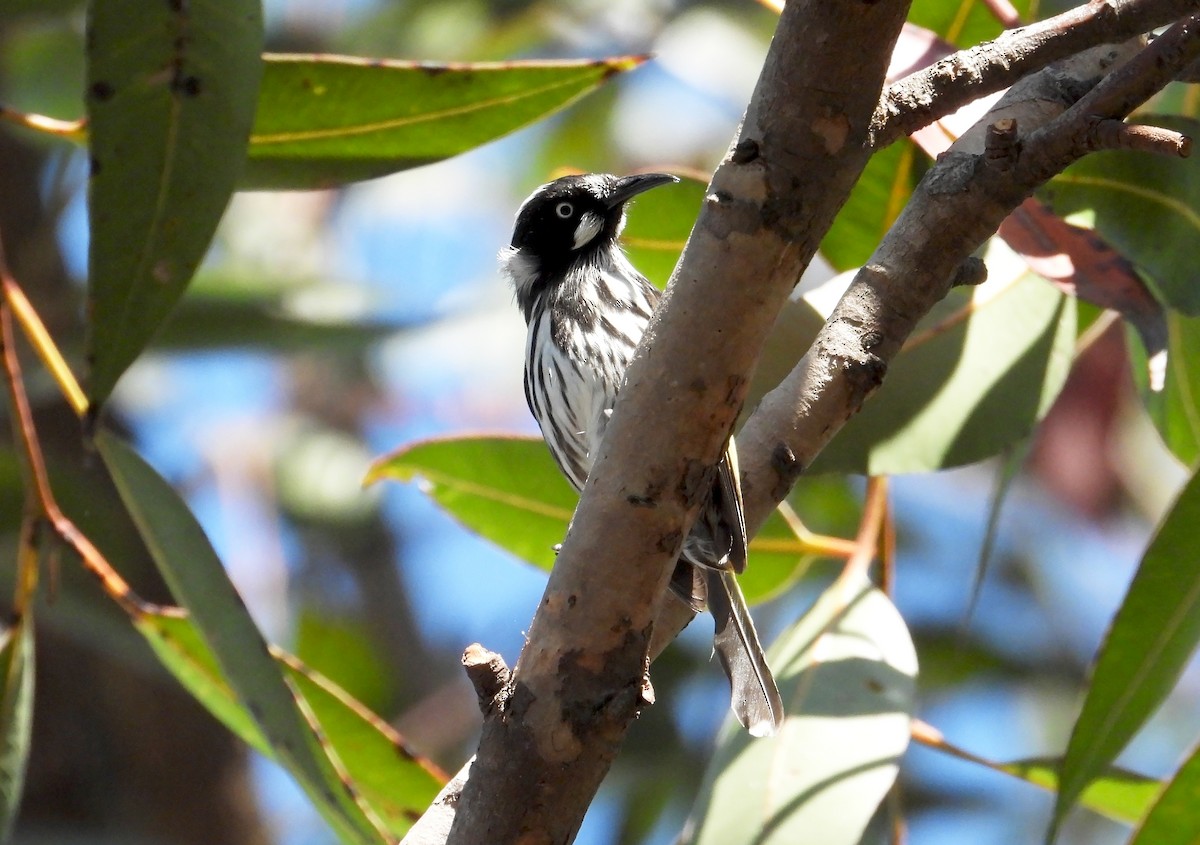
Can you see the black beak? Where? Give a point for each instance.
(628, 187)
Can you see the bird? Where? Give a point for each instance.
(585, 308)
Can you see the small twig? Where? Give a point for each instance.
(93, 560)
(1145, 74)
(1070, 136)
(71, 130)
(1004, 12)
(869, 530)
(946, 86)
(810, 542)
(888, 546)
(1112, 134)
(43, 344)
(488, 674)
(1001, 146)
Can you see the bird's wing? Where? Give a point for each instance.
(733, 513)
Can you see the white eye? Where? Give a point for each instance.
(564, 210)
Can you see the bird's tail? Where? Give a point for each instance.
(755, 699)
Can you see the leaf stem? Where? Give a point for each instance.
(43, 344)
(810, 542)
(71, 130)
(44, 502)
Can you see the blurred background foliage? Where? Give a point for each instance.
(327, 328)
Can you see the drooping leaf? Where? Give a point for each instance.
(1176, 408)
(847, 673)
(16, 716)
(325, 120)
(1119, 192)
(975, 376)
(394, 782)
(1150, 641)
(341, 648)
(508, 490)
(1085, 266)
(1174, 818)
(199, 582)
(171, 90)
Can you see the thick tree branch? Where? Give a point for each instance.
(578, 683)
(945, 86)
(959, 203)
(804, 140)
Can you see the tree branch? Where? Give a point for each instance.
(945, 86)
(957, 205)
(578, 683)
(556, 727)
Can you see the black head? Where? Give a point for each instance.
(570, 220)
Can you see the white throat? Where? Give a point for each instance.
(521, 270)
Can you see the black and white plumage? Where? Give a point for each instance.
(586, 308)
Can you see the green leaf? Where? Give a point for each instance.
(1174, 819)
(659, 224)
(975, 376)
(394, 782)
(963, 23)
(180, 647)
(341, 648)
(171, 89)
(873, 205)
(16, 717)
(1117, 794)
(324, 120)
(508, 490)
(1176, 408)
(1149, 643)
(847, 673)
(199, 581)
(1146, 206)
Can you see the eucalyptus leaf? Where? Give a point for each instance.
(393, 781)
(197, 579)
(847, 672)
(508, 490)
(964, 23)
(1150, 641)
(1174, 818)
(16, 716)
(874, 203)
(659, 223)
(1117, 192)
(327, 120)
(171, 93)
(975, 376)
(1118, 794)
(1176, 408)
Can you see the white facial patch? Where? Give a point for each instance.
(589, 226)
